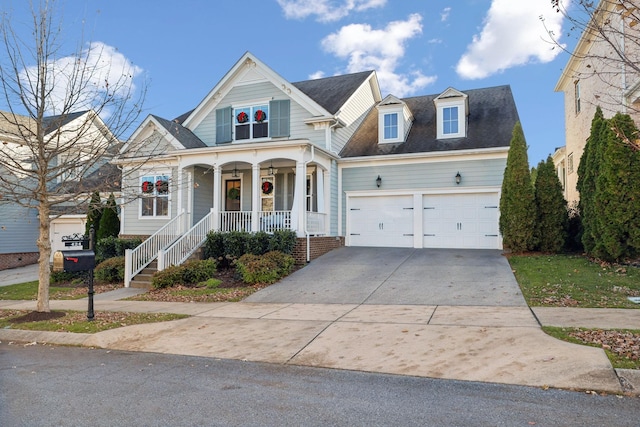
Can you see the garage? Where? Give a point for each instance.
(461, 221)
(385, 221)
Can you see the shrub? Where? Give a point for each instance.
(62, 277)
(110, 270)
(283, 241)
(266, 269)
(111, 247)
(258, 243)
(189, 273)
(235, 244)
(109, 221)
(552, 216)
(214, 246)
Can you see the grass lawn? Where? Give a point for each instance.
(76, 321)
(575, 281)
(29, 291)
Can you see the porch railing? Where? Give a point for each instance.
(137, 259)
(316, 223)
(186, 245)
(235, 221)
(270, 221)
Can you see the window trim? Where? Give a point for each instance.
(255, 104)
(384, 112)
(576, 95)
(462, 128)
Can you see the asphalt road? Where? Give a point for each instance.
(64, 386)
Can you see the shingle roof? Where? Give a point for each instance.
(332, 92)
(52, 123)
(492, 116)
(187, 138)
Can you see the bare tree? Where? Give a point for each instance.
(607, 54)
(66, 113)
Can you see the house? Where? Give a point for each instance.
(329, 158)
(595, 76)
(78, 174)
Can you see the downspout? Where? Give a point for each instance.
(306, 231)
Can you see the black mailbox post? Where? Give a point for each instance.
(79, 261)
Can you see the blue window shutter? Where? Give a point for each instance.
(223, 125)
(279, 122)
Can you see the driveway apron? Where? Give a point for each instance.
(400, 276)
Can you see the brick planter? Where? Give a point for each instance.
(318, 246)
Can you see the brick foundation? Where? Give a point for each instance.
(318, 246)
(8, 261)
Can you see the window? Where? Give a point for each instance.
(570, 163)
(251, 122)
(391, 126)
(577, 95)
(450, 120)
(155, 196)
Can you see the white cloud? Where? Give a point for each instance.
(444, 15)
(326, 10)
(97, 71)
(513, 35)
(317, 75)
(380, 50)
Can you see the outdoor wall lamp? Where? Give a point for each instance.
(235, 171)
(378, 181)
(271, 169)
(458, 178)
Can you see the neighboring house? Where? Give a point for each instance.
(328, 158)
(592, 78)
(19, 226)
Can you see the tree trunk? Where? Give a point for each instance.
(44, 246)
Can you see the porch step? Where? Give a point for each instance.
(142, 280)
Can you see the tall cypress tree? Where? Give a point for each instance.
(617, 196)
(551, 208)
(94, 213)
(588, 171)
(109, 223)
(517, 204)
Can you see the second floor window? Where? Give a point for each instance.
(251, 122)
(577, 95)
(450, 120)
(391, 126)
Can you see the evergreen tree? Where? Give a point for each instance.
(588, 172)
(94, 213)
(552, 218)
(617, 196)
(109, 223)
(517, 204)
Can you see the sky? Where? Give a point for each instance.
(417, 47)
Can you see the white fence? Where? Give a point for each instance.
(235, 221)
(271, 221)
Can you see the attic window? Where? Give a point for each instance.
(392, 123)
(451, 119)
(390, 126)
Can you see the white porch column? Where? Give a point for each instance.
(217, 192)
(320, 191)
(255, 197)
(299, 203)
(180, 190)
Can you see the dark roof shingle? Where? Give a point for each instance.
(492, 116)
(187, 138)
(332, 92)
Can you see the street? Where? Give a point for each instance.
(44, 385)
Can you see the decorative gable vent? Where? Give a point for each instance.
(452, 109)
(394, 120)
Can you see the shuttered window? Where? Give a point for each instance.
(223, 125)
(280, 112)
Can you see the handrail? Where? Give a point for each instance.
(137, 259)
(270, 221)
(316, 223)
(187, 244)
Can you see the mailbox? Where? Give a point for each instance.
(73, 261)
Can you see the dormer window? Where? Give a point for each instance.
(451, 114)
(394, 120)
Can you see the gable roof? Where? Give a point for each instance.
(52, 123)
(492, 116)
(183, 135)
(332, 92)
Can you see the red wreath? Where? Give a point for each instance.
(267, 187)
(242, 117)
(147, 187)
(162, 186)
(260, 116)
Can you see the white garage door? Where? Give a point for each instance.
(381, 221)
(61, 229)
(461, 221)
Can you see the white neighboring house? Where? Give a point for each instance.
(330, 159)
(19, 226)
(592, 78)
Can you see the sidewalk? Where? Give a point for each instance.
(473, 343)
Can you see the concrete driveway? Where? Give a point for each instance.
(400, 276)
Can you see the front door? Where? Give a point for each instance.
(232, 195)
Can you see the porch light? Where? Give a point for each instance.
(378, 181)
(271, 169)
(235, 171)
(458, 178)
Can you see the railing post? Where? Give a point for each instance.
(161, 265)
(128, 267)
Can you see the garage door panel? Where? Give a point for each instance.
(381, 221)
